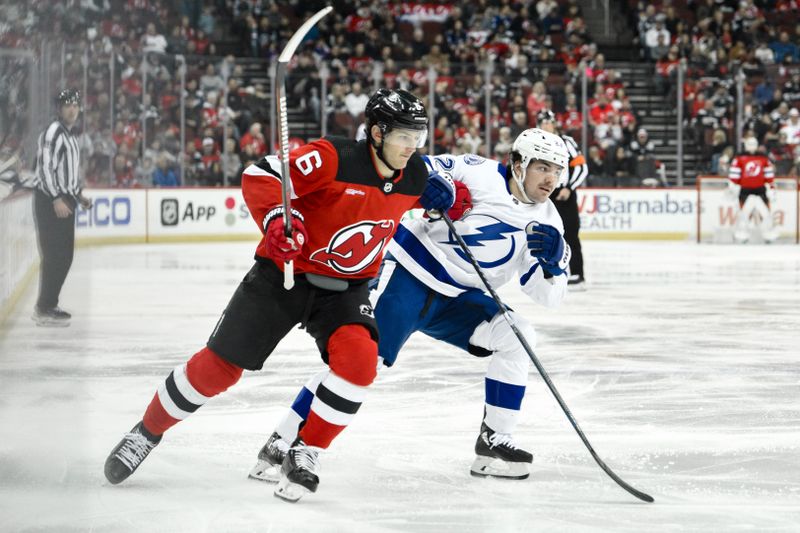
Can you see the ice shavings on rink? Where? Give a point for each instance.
(679, 363)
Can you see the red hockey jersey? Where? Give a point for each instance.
(751, 171)
(350, 211)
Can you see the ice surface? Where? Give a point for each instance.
(681, 363)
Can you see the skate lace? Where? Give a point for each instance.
(276, 449)
(307, 459)
(134, 450)
(503, 439)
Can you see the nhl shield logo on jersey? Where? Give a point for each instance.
(354, 248)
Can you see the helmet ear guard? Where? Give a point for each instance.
(536, 145)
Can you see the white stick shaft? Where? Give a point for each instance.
(288, 275)
(283, 127)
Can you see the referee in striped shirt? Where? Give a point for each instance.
(566, 200)
(58, 193)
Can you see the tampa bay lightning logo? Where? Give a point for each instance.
(490, 240)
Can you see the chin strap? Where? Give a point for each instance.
(379, 152)
(521, 186)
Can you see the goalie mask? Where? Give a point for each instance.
(537, 145)
(401, 117)
(751, 145)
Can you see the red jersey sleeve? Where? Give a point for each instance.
(311, 167)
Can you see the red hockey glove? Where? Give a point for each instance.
(463, 203)
(279, 247)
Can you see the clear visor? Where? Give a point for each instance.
(547, 167)
(405, 138)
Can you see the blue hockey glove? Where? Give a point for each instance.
(546, 244)
(439, 194)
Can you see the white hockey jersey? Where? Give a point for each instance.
(494, 231)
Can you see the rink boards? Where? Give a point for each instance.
(174, 215)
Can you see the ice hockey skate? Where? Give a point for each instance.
(126, 457)
(270, 459)
(498, 456)
(51, 318)
(298, 472)
(576, 283)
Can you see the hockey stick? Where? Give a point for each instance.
(504, 310)
(283, 129)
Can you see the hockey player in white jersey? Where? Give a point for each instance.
(427, 284)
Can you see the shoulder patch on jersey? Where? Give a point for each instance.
(472, 159)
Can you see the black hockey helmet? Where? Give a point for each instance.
(389, 109)
(68, 96)
(545, 115)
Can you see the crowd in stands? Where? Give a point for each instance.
(720, 40)
(538, 49)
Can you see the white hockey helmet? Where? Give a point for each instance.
(751, 145)
(535, 144)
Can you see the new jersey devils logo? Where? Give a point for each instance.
(355, 247)
(752, 169)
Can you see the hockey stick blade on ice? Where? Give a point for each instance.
(283, 128)
(503, 309)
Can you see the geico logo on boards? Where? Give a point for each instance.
(105, 212)
(603, 204)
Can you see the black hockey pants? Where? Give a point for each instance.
(568, 209)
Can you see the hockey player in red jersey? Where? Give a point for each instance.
(347, 200)
(752, 179)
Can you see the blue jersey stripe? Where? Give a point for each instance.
(524, 279)
(502, 170)
(302, 404)
(504, 395)
(409, 242)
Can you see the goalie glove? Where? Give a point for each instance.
(547, 245)
(279, 247)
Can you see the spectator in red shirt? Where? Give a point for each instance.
(254, 139)
(537, 100)
(123, 172)
(601, 108)
(209, 168)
